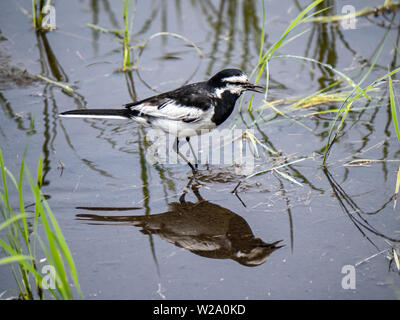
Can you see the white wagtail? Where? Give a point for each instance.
(184, 112)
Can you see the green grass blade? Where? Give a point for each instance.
(339, 73)
(55, 256)
(10, 221)
(64, 248)
(15, 258)
(287, 177)
(396, 192)
(4, 179)
(56, 83)
(393, 108)
(262, 32)
(58, 248)
(23, 262)
(25, 231)
(39, 179)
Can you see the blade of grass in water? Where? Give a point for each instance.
(53, 253)
(37, 14)
(34, 13)
(56, 239)
(396, 259)
(58, 84)
(15, 258)
(11, 221)
(105, 30)
(393, 109)
(333, 133)
(262, 32)
(287, 177)
(341, 74)
(396, 192)
(128, 25)
(127, 60)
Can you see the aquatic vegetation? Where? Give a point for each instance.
(128, 25)
(345, 97)
(394, 111)
(264, 58)
(56, 83)
(388, 6)
(330, 103)
(22, 240)
(38, 14)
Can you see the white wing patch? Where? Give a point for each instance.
(171, 111)
(176, 119)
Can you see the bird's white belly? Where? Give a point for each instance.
(183, 129)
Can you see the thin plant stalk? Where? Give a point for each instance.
(393, 109)
(127, 60)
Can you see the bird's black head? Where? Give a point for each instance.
(234, 81)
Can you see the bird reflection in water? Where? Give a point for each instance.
(203, 228)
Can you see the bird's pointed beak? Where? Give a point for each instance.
(255, 88)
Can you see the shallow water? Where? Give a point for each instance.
(211, 243)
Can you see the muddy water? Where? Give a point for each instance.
(146, 231)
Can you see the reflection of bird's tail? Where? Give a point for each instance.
(97, 113)
(131, 219)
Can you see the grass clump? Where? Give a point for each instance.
(21, 243)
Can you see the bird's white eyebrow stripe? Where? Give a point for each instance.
(242, 78)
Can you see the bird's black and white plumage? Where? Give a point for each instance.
(185, 111)
(189, 110)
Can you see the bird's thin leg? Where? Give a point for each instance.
(194, 155)
(195, 189)
(175, 147)
(186, 190)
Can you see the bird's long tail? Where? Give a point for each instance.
(97, 114)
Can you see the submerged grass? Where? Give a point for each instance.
(393, 109)
(20, 239)
(56, 83)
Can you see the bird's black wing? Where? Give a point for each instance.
(188, 103)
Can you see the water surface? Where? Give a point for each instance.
(277, 239)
